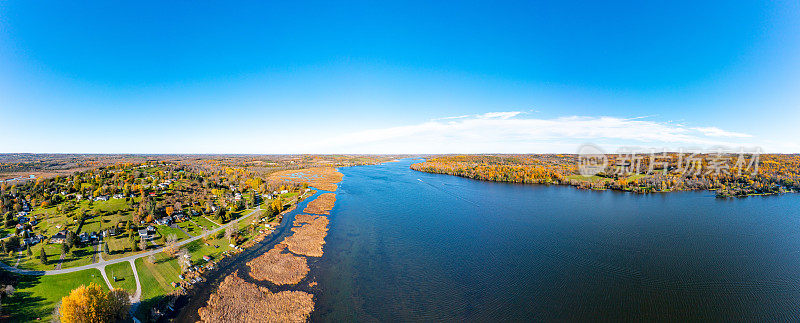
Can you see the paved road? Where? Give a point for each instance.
(101, 265)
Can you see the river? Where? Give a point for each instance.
(411, 246)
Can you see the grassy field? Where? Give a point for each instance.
(124, 274)
(165, 231)
(78, 257)
(191, 228)
(36, 296)
(53, 252)
(204, 222)
(156, 279)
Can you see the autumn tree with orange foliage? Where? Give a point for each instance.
(94, 304)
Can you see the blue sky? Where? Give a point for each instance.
(403, 77)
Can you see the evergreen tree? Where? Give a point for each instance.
(42, 256)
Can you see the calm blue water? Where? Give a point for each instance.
(405, 245)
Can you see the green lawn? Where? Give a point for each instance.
(53, 252)
(166, 231)
(214, 249)
(124, 274)
(78, 257)
(156, 279)
(191, 228)
(204, 222)
(36, 296)
(288, 195)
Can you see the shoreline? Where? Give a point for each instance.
(215, 298)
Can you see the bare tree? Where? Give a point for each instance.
(184, 259)
(231, 229)
(143, 244)
(169, 243)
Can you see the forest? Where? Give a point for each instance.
(727, 174)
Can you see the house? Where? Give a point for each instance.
(101, 198)
(118, 196)
(237, 196)
(22, 219)
(268, 196)
(164, 221)
(22, 213)
(179, 216)
(59, 237)
(144, 234)
(84, 237)
(207, 258)
(33, 240)
(284, 191)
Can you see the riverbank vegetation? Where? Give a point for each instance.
(323, 204)
(236, 300)
(309, 237)
(324, 178)
(727, 174)
(279, 267)
(284, 264)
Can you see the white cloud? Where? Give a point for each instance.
(717, 132)
(508, 132)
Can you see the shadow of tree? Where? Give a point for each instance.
(23, 306)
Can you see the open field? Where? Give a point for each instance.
(121, 276)
(36, 296)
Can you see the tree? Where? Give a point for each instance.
(184, 259)
(169, 210)
(12, 244)
(169, 243)
(230, 230)
(28, 250)
(42, 256)
(93, 304)
(143, 244)
(70, 239)
(105, 248)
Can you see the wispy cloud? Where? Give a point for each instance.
(511, 132)
(717, 132)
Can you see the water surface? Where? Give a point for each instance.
(405, 245)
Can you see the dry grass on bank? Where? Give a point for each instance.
(322, 204)
(239, 301)
(278, 267)
(324, 178)
(308, 238)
